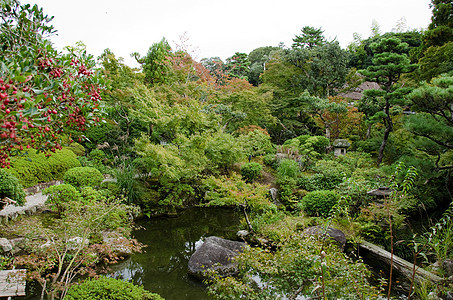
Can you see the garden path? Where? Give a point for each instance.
(33, 203)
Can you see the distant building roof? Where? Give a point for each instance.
(356, 93)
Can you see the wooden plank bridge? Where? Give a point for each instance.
(12, 283)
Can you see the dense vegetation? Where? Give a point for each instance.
(177, 132)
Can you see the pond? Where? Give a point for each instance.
(162, 267)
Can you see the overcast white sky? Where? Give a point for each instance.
(220, 28)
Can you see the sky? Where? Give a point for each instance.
(220, 28)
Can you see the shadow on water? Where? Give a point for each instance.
(162, 267)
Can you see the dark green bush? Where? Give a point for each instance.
(105, 288)
(251, 171)
(32, 168)
(10, 187)
(83, 176)
(319, 203)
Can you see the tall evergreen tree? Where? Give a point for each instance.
(310, 38)
(389, 63)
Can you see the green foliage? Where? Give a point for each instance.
(83, 176)
(32, 168)
(222, 151)
(55, 92)
(176, 195)
(251, 171)
(155, 63)
(296, 268)
(288, 168)
(271, 160)
(75, 244)
(308, 147)
(311, 37)
(258, 58)
(105, 288)
(324, 68)
(287, 186)
(356, 187)
(10, 187)
(390, 61)
(237, 66)
(319, 203)
(329, 174)
(128, 184)
(436, 61)
(249, 108)
(77, 148)
(256, 143)
(62, 196)
(234, 192)
(97, 155)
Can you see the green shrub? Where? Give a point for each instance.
(61, 196)
(256, 143)
(105, 288)
(97, 155)
(32, 168)
(251, 171)
(288, 168)
(319, 203)
(83, 176)
(10, 187)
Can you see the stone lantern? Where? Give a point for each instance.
(340, 147)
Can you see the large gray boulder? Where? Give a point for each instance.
(334, 234)
(215, 254)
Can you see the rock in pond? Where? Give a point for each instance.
(335, 234)
(215, 254)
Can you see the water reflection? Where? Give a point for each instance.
(162, 268)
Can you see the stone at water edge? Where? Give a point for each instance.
(335, 234)
(242, 234)
(274, 193)
(447, 266)
(215, 254)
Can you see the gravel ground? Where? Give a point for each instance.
(33, 202)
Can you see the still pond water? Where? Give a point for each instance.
(162, 267)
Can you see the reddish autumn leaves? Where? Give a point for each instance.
(37, 108)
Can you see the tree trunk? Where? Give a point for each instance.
(387, 131)
(368, 131)
(328, 132)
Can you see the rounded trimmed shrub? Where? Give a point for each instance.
(32, 167)
(10, 187)
(251, 171)
(83, 176)
(319, 203)
(105, 288)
